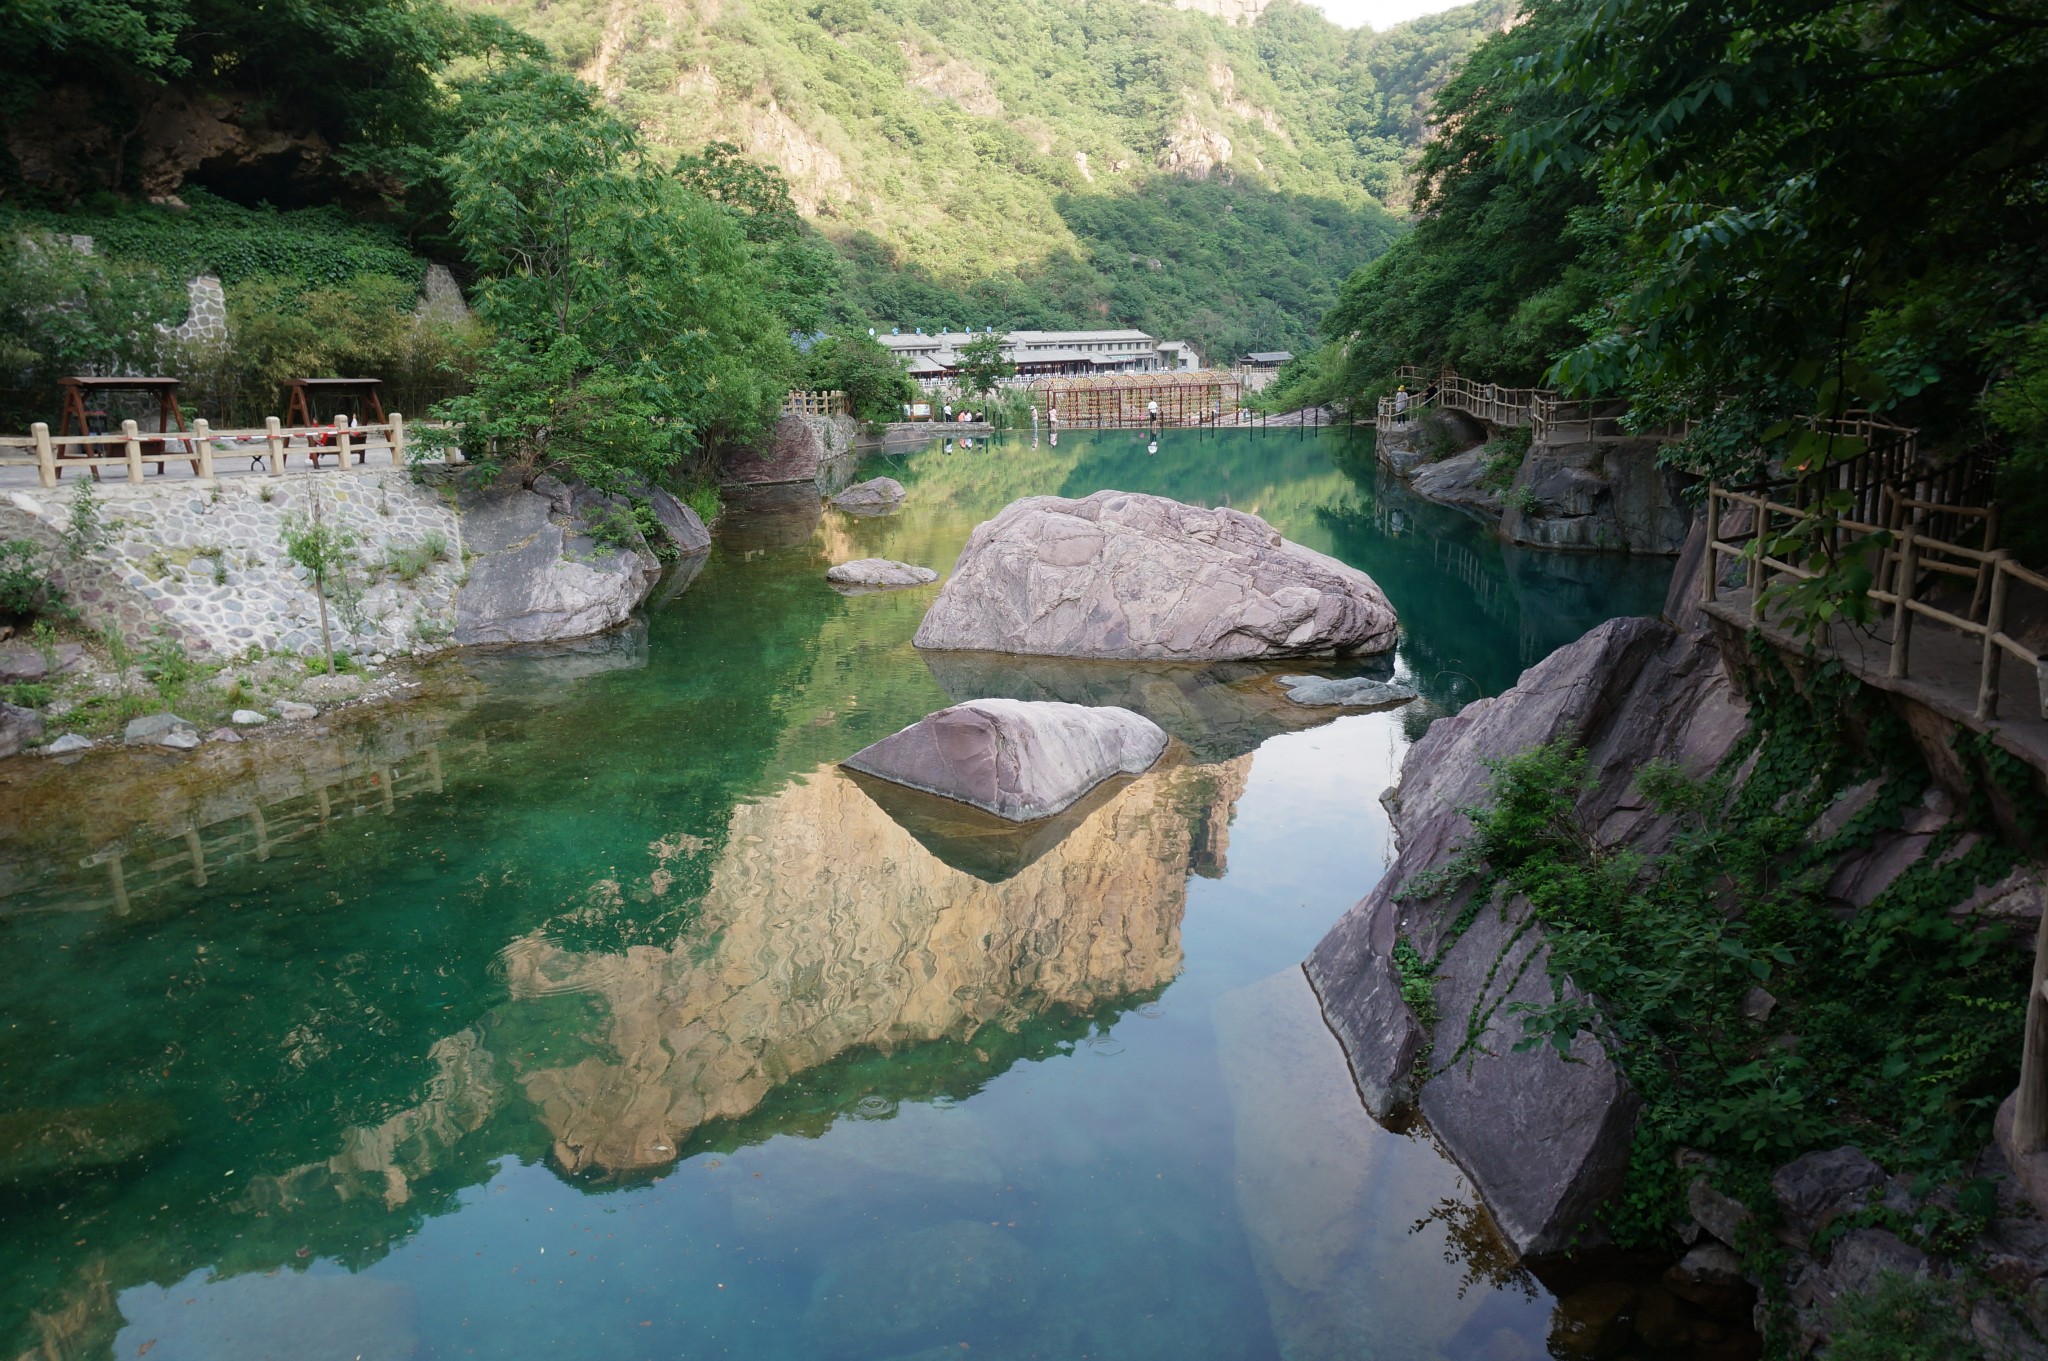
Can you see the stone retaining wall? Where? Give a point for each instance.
(206, 564)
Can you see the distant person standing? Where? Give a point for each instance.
(1152, 413)
(949, 410)
(1401, 405)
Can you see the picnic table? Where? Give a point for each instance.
(78, 418)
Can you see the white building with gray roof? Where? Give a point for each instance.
(1034, 353)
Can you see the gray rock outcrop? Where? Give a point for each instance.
(879, 574)
(876, 496)
(19, 728)
(1017, 759)
(161, 730)
(1130, 576)
(1545, 1141)
(684, 527)
(537, 574)
(798, 449)
(1351, 692)
(1613, 495)
(1456, 481)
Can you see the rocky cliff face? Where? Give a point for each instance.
(1545, 1141)
(1612, 496)
(828, 927)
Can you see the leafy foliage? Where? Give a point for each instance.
(62, 312)
(1023, 164)
(26, 590)
(1751, 215)
(1896, 1028)
(628, 329)
(310, 247)
(872, 378)
(983, 365)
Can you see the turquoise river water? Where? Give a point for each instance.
(579, 1007)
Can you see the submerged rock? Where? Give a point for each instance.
(1016, 759)
(1130, 576)
(879, 574)
(41, 1145)
(1353, 692)
(876, 496)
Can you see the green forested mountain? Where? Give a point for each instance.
(1045, 161)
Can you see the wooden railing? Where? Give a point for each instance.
(1552, 419)
(828, 403)
(1910, 566)
(133, 447)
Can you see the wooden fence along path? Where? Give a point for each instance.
(269, 447)
(1915, 575)
(831, 402)
(1552, 419)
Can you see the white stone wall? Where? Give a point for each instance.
(212, 558)
(207, 320)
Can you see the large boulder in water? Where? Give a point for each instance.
(1129, 576)
(1018, 759)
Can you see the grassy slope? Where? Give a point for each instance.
(949, 141)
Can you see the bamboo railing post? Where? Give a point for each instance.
(134, 437)
(1994, 656)
(273, 439)
(341, 446)
(397, 440)
(46, 454)
(1712, 567)
(202, 436)
(1902, 612)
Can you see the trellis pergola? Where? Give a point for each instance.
(1123, 400)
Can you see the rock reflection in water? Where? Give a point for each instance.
(1333, 1205)
(829, 928)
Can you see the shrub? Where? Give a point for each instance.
(1503, 455)
(408, 562)
(26, 590)
(1901, 1318)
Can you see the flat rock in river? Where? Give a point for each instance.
(1130, 576)
(876, 496)
(879, 574)
(1015, 758)
(1353, 692)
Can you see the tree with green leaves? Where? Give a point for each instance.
(984, 364)
(628, 328)
(867, 371)
(803, 270)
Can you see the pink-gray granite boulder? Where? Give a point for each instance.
(1134, 577)
(1017, 759)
